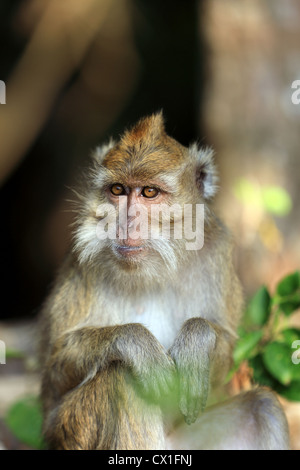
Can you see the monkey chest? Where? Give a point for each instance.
(157, 320)
(163, 317)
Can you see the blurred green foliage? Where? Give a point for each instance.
(268, 343)
(272, 199)
(24, 419)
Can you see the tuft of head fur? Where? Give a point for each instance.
(148, 129)
(144, 152)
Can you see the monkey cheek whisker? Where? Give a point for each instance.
(163, 247)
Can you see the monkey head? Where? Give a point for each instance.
(141, 196)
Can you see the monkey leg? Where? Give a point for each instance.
(105, 413)
(252, 420)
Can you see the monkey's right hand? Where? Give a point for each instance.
(81, 353)
(151, 366)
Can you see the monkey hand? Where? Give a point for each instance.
(152, 368)
(82, 352)
(192, 353)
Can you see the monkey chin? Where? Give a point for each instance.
(138, 267)
(130, 257)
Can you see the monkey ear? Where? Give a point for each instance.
(205, 171)
(99, 153)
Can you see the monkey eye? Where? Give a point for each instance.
(117, 189)
(150, 192)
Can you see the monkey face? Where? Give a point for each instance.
(135, 221)
(134, 207)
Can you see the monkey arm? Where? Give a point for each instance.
(201, 355)
(79, 354)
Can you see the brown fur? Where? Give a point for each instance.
(132, 344)
(144, 152)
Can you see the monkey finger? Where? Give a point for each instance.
(183, 396)
(193, 404)
(171, 379)
(163, 386)
(158, 385)
(166, 376)
(150, 390)
(190, 418)
(199, 397)
(193, 396)
(194, 408)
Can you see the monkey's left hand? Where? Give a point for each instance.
(192, 352)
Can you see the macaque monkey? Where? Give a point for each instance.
(140, 325)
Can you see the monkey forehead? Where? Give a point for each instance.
(144, 154)
(143, 162)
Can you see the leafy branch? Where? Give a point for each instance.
(268, 343)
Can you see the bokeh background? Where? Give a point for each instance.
(78, 72)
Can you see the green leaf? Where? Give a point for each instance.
(289, 284)
(260, 373)
(289, 335)
(276, 200)
(292, 392)
(296, 358)
(289, 306)
(277, 358)
(258, 310)
(24, 419)
(245, 346)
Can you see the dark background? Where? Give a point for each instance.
(221, 72)
(169, 76)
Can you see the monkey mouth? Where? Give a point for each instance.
(129, 251)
